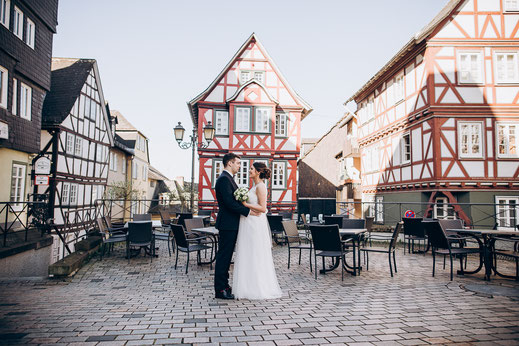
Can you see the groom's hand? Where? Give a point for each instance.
(254, 213)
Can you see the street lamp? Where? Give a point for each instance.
(179, 130)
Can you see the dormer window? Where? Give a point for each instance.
(245, 76)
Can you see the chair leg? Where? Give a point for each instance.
(128, 251)
(315, 260)
(394, 260)
(176, 259)
(452, 265)
(444, 262)
(300, 250)
(367, 260)
(289, 257)
(390, 265)
(310, 256)
(169, 248)
(187, 262)
(341, 263)
(461, 263)
(434, 260)
(103, 250)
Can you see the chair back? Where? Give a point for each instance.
(275, 223)
(369, 222)
(179, 235)
(286, 216)
(165, 217)
(182, 217)
(333, 220)
(353, 223)
(396, 232)
(203, 212)
(141, 217)
(290, 228)
(413, 226)
(326, 237)
(446, 224)
(436, 235)
(102, 228)
(140, 232)
(193, 223)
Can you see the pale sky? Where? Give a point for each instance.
(156, 55)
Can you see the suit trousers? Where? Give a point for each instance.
(226, 244)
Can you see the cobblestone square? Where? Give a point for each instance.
(111, 302)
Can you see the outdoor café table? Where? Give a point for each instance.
(213, 234)
(486, 245)
(356, 235)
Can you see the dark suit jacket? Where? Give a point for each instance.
(229, 209)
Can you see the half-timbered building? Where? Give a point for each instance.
(439, 122)
(257, 115)
(76, 137)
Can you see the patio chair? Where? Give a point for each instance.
(353, 223)
(441, 244)
(413, 230)
(390, 250)
(165, 218)
(141, 217)
(182, 217)
(140, 234)
(287, 215)
(509, 252)
(111, 227)
(184, 245)
(109, 238)
(276, 228)
(293, 240)
(327, 243)
(369, 227)
(333, 220)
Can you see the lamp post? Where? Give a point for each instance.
(179, 130)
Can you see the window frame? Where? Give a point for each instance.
(481, 67)
(78, 146)
(25, 101)
(403, 160)
(214, 174)
(245, 164)
(18, 23)
(398, 85)
(508, 218)
(70, 142)
(445, 208)
(219, 132)
(4, 87)
(379, 209)
(249, 130)
(30, 35)
(5, 12)
(73, 198)
(65, 187)
(469, 155)
(508, 124)
(20, 188)
(269, 121)
(284, 117)
(135, 168)
(516, 66)
(14, 102)
(507, 9)
(274, 181)
(252, 76)
(123, 165)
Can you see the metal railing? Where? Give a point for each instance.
(18, 218)
(122, 210)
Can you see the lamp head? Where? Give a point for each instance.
(179, 132)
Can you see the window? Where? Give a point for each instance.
(244, 76)
(221, 121)
(262, 120)
(511, 5)
(18, 23)
(30, 33)
(242, 177)
(3, 87)
(507, 140)
(470, 139)
(65, 188)
(73, 194)
(507, 68)
(113, 162)
(123, 163)
(507, 209)
(370, 112)
(442, 209)
(406, 148)
(25, 101)
(69, 145)
(281, 125)
(5, 7)
(470, 67)
(217, 170)
(134, 170)
(18, 185)
(379, 209)
(144, 172)
(278, 175)
(78, 148)
(94, 193)
(15, 97)
(398, 87)
(259, 76)
(242, 119)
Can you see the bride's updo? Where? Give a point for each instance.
(263, 170)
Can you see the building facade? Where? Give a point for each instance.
(26, 34)
(438, 123)
(76, 137)
(258, 116)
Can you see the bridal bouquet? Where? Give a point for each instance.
(241, 194)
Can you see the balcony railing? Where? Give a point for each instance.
(17, 219)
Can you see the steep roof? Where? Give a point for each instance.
(156, 175)
(67, 78)
(122, 123)
(414, 41)
(124, 145)
(192, 105)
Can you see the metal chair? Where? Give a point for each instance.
(108, 237)
(414, 230)
(390, 250)
(333, 220)
(183, 244)
(182, 217)
(293, 240)
(140, 234)
(441, 244)
(111, 227)
(327, 243)
(512, 253)
(276, 228)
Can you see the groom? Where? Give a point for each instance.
(227, 223)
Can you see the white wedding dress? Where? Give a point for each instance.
(254, 275)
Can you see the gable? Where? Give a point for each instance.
(253, 92)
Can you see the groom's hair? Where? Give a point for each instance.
(229, 157)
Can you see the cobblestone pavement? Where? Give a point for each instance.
(111, 302)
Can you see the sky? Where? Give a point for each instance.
(156, 55)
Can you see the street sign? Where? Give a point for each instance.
(409, 213)
(42, 166)
(41, 180)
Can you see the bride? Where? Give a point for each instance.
(254, 274)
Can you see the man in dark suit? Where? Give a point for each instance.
(227, 223)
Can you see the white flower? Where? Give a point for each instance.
(241, 194)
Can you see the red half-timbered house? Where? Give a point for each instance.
(440, 121)
(257, 115)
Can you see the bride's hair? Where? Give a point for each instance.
(263, 170)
